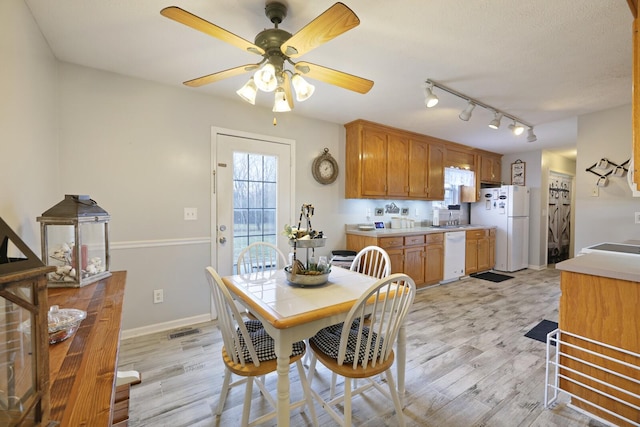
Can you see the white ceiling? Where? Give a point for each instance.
(544, 61)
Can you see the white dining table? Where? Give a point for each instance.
(292, 313)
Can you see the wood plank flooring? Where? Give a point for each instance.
(468, 364)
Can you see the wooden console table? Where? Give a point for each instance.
(83, 368)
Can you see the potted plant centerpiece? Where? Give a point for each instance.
(313, 273)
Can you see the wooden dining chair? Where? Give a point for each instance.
(260, 256)
(359, 349)
(249, 352)
(372, 261)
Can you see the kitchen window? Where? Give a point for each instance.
(454, 178)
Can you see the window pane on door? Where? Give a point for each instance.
(254, 209)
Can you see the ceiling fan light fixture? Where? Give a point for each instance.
(303, 89)
(466, 113)
(248, 92)
(516, 128)
(495, 123)
(265, 78)
(531, 137)
(430, 99)
(280, 104)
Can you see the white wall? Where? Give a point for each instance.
(610, 216)
(537, 234)
(142, 151)
(28, 134)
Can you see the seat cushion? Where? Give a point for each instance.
(263, 343)
(328, 341)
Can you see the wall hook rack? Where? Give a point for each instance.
(609, 168)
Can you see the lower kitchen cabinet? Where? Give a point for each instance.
(434, 258)
(478, 256)
(420, 256)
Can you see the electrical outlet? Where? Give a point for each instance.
(190, 214)
(158, 296)
(594, 192)
(637, 216)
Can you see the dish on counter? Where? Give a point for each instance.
(366, 227)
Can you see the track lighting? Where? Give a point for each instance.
(466, 113)
(517, 126)
(430, 99)
(495, 123)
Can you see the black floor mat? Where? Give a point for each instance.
(492, 277)
(540, 331)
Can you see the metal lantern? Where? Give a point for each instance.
(75, 239)
(24, 352)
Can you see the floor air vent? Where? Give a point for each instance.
(183, 333)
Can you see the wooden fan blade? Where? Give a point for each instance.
(287, 89)
(331, 23)
(197, 23)
(334, 77)
(231, 72)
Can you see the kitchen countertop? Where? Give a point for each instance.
(394, 232)
(615, 266)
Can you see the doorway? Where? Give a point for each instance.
(559, 221)
(252, 193)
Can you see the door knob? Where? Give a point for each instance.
(222, 240)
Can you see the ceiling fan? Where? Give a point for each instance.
(277, 47)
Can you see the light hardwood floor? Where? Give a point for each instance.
(468, 364)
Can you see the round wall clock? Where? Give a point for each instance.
(325, 168)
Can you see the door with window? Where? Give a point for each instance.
(252, 194)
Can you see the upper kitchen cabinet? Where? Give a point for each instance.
(460, 157)
(383, 162)
(490, 168)
(426, 183)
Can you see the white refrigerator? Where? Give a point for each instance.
(506, 208)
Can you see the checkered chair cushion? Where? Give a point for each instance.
(328, 341)
(263, 343)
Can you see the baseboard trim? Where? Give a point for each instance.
(165, 326)
(537, 267)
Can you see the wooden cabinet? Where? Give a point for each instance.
(435, 168)
(492, 248)
(490, 169)
(383, 162)
(635, 105)
(434, 258)
(477, 255)
(393, 246)
(398, 165)
(84, 367)
(372, 178)
(603, 309)
(420, 256)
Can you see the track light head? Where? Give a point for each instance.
(430, 99)
(516, 128)
(531, 137)
(495, 123)
(466, 113)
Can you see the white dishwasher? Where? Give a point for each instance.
(454, 253)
